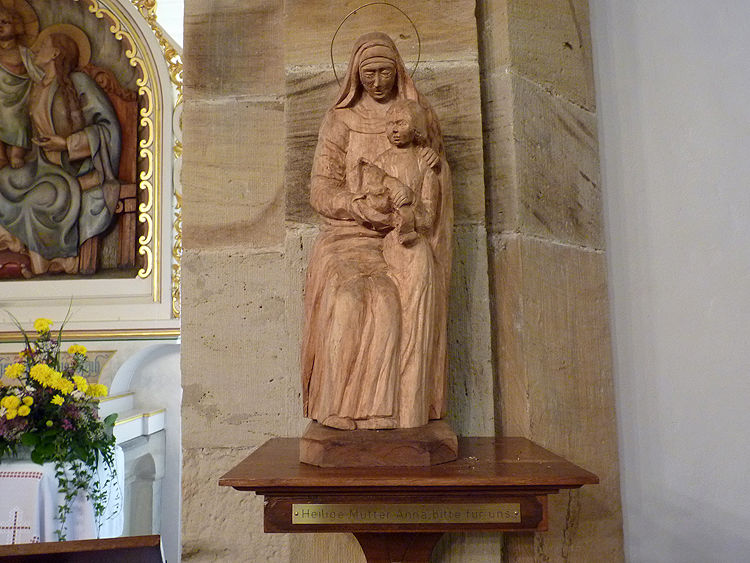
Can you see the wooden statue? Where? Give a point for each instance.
(374, 348)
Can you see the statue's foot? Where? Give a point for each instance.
(377, 423)
(16, 162)
(339, 422)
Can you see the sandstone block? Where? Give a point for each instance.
(224, 57)
(557, 168)
(328, 548)
(492, 35)
(447, 29)
(499, 152)
(556, 383)
(218, 523)
(477, 547)
(470, 375)
(232, 174)
(550, 44)
(237, 391)
(309, 95)
(453, 91)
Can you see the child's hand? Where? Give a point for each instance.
(431, 157)
(401, 194)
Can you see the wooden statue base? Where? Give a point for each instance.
(427, 445)
(399, 513)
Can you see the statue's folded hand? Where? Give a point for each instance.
(400, 193)
(365, 214)
(51, 143)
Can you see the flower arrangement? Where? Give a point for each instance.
(48, 406)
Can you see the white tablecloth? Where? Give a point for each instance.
(29, 501)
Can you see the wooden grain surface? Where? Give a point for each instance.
(133, 549)
(498, 463)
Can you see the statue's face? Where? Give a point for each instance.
(6, 27)
(45, 52)
(399, 129)
(378, 79)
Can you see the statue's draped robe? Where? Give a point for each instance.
(60, 199)
(15, 127)
(420, 288)
(354, 302)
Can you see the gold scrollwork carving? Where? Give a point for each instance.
(145, 250)
(146, 239)
(146, 206)
(147, 8)
(177, 257)
(149, 150)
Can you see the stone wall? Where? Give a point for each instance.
(515, 104)
(547, 265)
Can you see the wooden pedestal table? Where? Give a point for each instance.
(400, 513)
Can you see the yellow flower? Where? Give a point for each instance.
(14, 370)
(42, 325)
(10, 402)
(59, 383)
(77, 349)
(97, 390)
(28, 401)
(81, 384)
(11, 414)
(68, 387)
(57, 400)
(23, 410)
(42, 373)
(48, 423)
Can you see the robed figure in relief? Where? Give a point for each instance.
(374, 347)
(67, 189)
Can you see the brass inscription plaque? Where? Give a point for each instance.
(384, 513)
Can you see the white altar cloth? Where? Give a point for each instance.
(29, 502)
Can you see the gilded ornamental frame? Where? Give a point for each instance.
(146, 306)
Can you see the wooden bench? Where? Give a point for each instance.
(136, 549)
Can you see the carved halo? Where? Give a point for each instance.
(76, 34)
(400, 12)
(28, 17)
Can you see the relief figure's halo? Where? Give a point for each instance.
(28, 17)
(75, 33)
(353, 12)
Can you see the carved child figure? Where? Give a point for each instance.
(15, 126)
(401, 181)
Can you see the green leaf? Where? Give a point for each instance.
(30, 439)
(110, 420)
(37, 457)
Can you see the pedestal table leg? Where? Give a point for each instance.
(401, 547)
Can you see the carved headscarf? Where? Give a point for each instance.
(377, 46)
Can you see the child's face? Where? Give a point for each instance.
(6, 27)
(399, 128)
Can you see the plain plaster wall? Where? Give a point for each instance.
(672, 80)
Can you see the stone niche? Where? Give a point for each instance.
(512, 85)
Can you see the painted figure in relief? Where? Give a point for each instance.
(67, 190)
(374, 348)
(15, 127)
